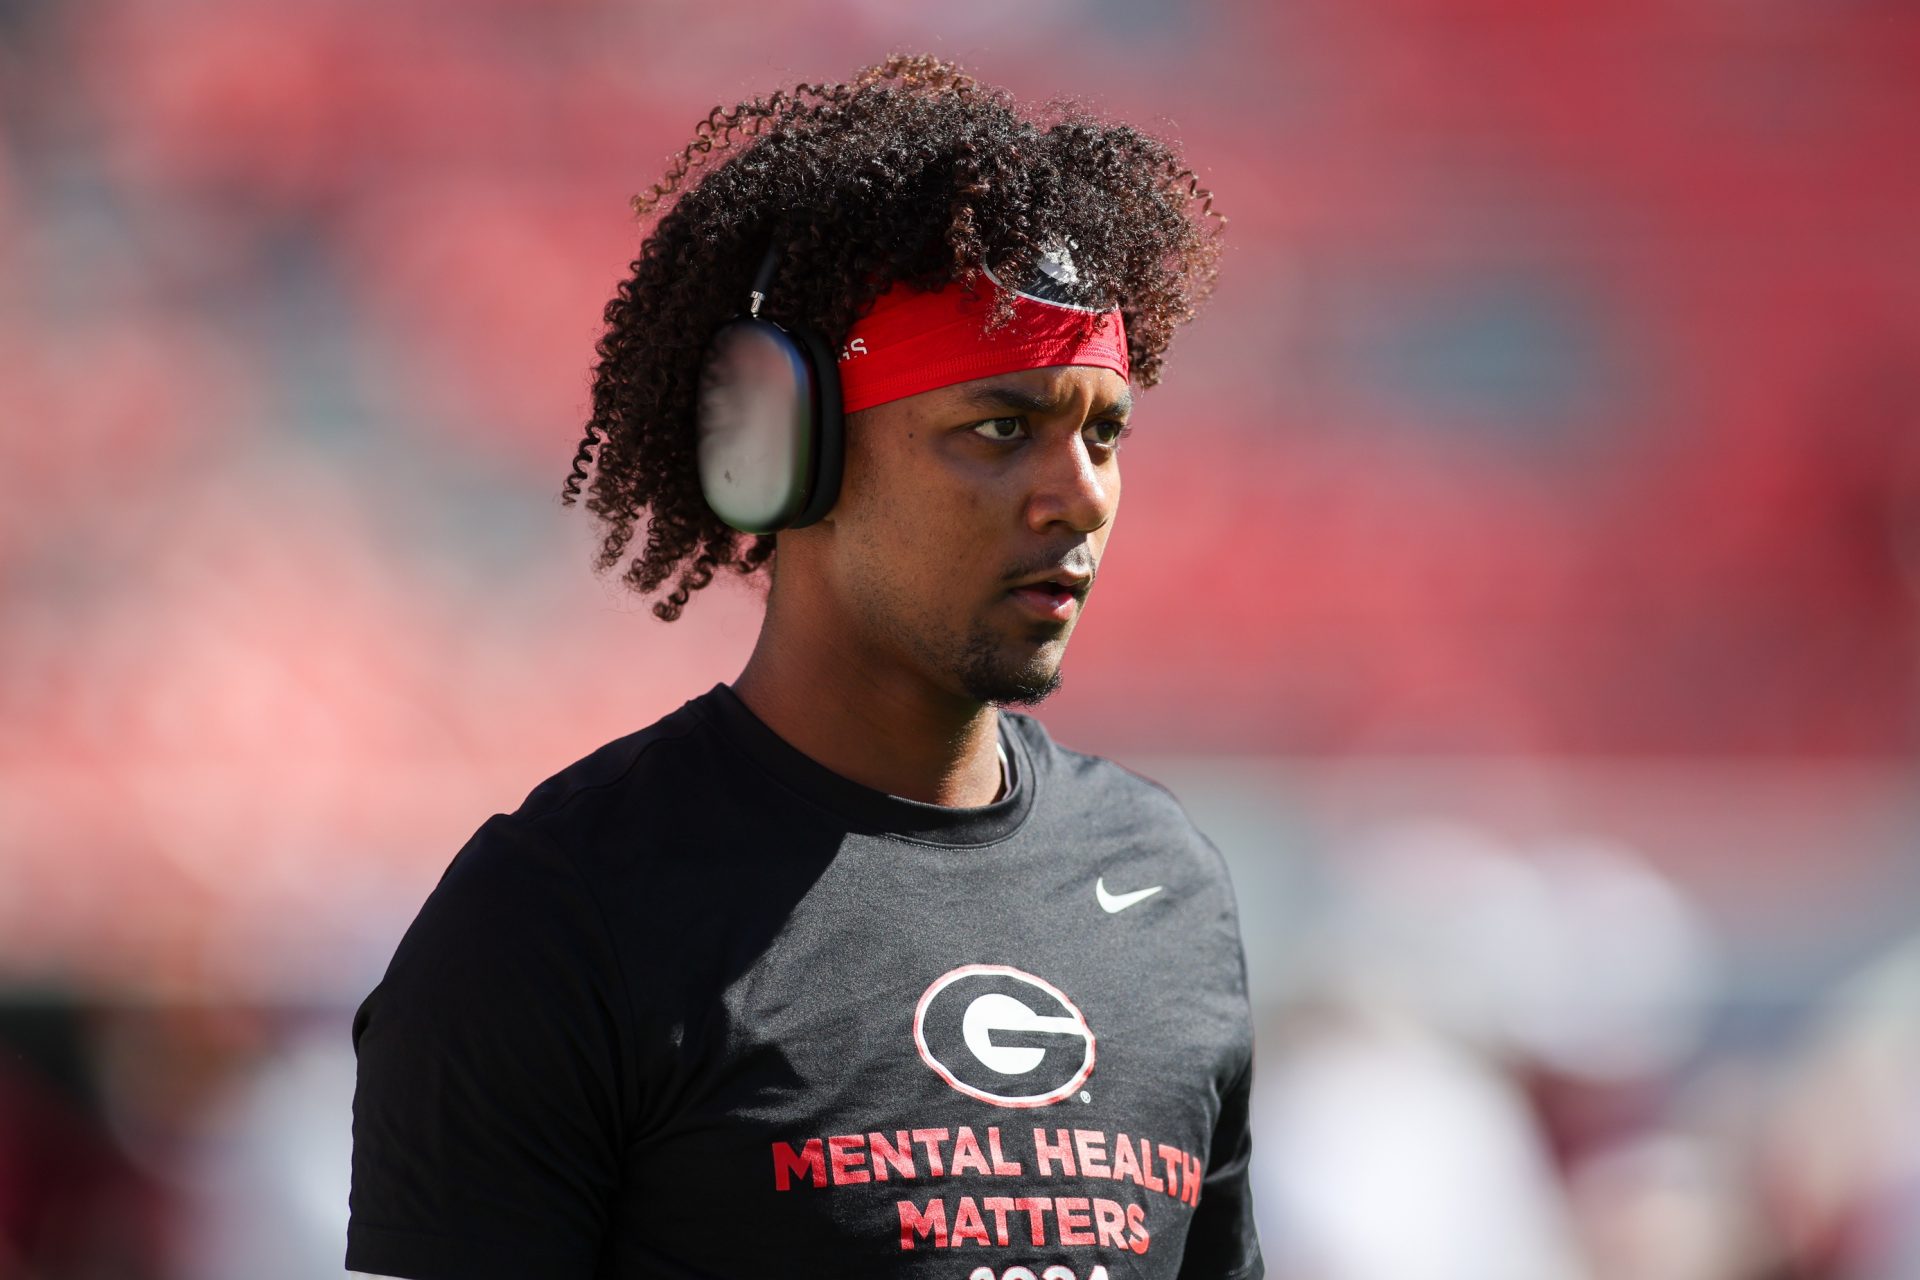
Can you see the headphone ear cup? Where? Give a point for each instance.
(756, 425)
(829, 430)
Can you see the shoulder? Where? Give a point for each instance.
(634, 762)
(1121, 830)
(632, 799)
(544, 860)
(1102, 794)
(1088, 778)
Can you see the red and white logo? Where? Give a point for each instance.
(1003, 1036)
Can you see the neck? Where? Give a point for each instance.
(867, 720)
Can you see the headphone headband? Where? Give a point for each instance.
(763, 278)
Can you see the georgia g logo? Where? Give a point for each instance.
(1003, 1036)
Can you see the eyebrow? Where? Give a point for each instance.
(1020, 401)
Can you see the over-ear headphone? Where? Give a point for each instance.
(771, 441)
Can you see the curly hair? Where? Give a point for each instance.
(911, 173)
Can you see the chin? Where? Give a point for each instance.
(1025, 693)
(989, 674)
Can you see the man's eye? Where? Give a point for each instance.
(1000, 428)
(1107, 432)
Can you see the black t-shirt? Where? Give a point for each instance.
(703, 1009)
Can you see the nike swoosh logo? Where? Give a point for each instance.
(1113, 903)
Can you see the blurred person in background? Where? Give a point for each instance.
(73, 1200)
(807, 978)
(1838, 1157)
(1480, 1024)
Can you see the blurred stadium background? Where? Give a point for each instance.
(1518, 579)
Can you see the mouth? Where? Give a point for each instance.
(1054, 599)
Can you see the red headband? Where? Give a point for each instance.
(912, 341)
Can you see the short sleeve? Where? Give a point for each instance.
(1222, 1243)
(487, 1111)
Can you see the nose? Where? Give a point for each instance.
(1072, 487)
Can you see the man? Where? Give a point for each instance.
(842, 971)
